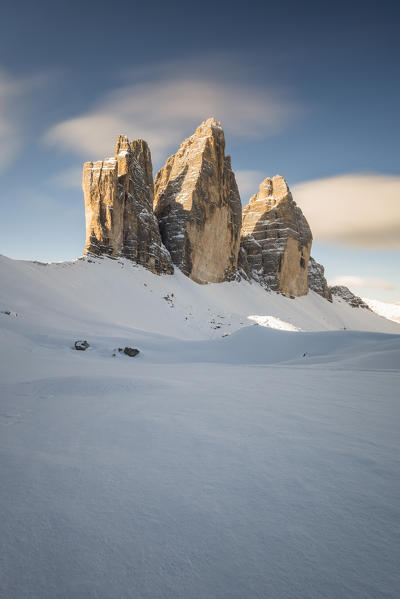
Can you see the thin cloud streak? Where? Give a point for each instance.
(353, 210)
(11, 93)
(355, 282)
(17, 98)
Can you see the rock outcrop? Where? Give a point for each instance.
(277, 239)
(198, 206)
(344, 293)
(118, 195)
(81, 345)
(192, 217)
(316, 279)
(131, 352)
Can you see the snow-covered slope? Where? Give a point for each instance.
(225, 460)
(89, 298)
(389, 311)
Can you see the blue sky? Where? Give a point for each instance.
(309, 90)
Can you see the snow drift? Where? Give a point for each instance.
(228, 459)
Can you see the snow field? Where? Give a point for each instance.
(227, 460)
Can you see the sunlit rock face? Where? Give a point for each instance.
(316, 279)
(277, 239)
(118, 196)
(344, 293)
(197, 203)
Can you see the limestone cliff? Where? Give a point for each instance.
(316, 279)
(198, 206)
(118, 195)
(277, 239)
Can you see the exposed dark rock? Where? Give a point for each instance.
(344, 293)
(81, 345)
(316, 279)
(130, 351)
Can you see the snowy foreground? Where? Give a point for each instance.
(227, 460)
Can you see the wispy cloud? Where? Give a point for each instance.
(355, 282)
(70, 178)
(164, 103)
(11, 91)
(353, 210)
(15, 95)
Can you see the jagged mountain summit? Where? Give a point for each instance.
(197, 203)
(118, 196)
(277, 239)
(191, 216)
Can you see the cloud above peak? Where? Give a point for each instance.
(163, 106)
(353, 210)
(356, 282)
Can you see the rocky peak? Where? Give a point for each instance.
(118, 195)
(209, 127)
(122, 145)
(200, 220)
(276, 239)
(272, 191)
(342, 292)
(198, 206)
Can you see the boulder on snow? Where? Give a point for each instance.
(81, 345)
(131, 351)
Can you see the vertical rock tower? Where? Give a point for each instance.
(118, 196)
(277, 239)
(197, 203)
